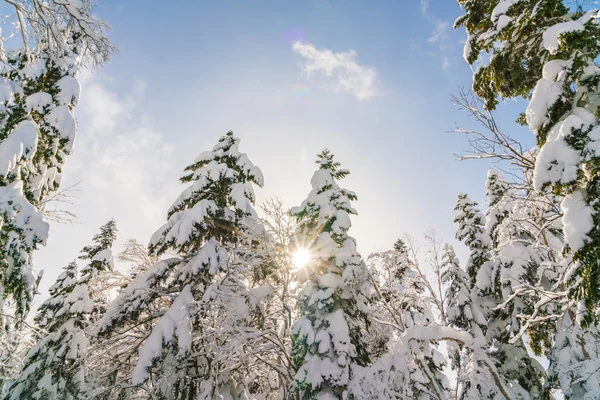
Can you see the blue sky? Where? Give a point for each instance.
(189, 71)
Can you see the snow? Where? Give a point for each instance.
(558, 162)
(79, 300)
(183, 224)
(547, 91)
(238, 197)
(175, 322)
(38, 101)
(551, 36)
(138, 293)
(17, 208)
(20, 144)
(502, 8)
(61, 119)
(303, 328)
(105, 256)
(211, 257)
(330, 280)
(8, 90)
(577, 219)
(503, 22)
(340, 334)
(69, 90)
(35, 68)
(321, 179)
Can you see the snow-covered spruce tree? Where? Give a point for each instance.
(543, 51)
(471, 230)
(503, 266)
(111, 360)
(400, 301)
(463, 312)
(198, 305)
(515, 261)
(100, 263)
(54, 367)
(328, 336)
(37, 128)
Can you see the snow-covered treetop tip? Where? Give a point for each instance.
(101, 241)
(99, 253)
(221, 194)
(471, 230)
(326, 197)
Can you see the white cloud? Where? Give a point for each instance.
(424, 7)
(338, 71)
(445, 63)
(439, 33)
(126, 171)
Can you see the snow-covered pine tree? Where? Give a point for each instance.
(328, 336)
(463, 312)
(56, 365)
(111, 360)
(547, 53)
(54, 368)
(37, 128)
(400, 301)
(100, 263)
(197, 304)
(471, 231)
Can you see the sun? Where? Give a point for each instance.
(300, 258)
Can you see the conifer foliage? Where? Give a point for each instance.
(199, 300)
(56, 366)
(39, 92)
(328, 336)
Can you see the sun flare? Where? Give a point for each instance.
(300, 258)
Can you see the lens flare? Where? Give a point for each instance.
(300, 258)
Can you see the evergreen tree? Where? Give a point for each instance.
(100, 263)
(54, 368)
(463, 312)
(198, 304)
(400, 301)
(37, 127)
(471, 230)
(544, 52)
(328, 336)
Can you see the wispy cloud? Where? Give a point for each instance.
(338, 71)
(439, 35)
(126, 171)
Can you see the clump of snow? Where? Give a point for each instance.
(551, 37)
(330, 280)
(577, 219)
(69, 90)
(547, 91)
(35, 68)
(175, 322)
(61, 119)
(502, 8)
(558, 162)
(38, 101)
(21, 143)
